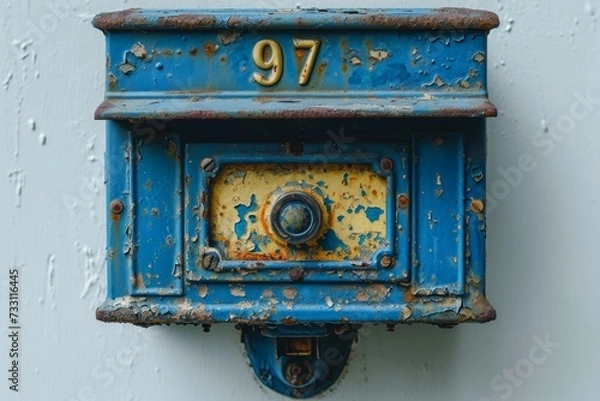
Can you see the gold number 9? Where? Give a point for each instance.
(267, 55)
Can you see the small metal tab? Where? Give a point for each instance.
(305, 361)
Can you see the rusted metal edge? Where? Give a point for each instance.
(274, 108)
(127, 310)
(398, 19)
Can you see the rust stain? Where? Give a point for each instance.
(228, 37)
(322, 67)
(112, 80)
(290, 293)
(440, 18)
(111, 109)
(362, 296)
(408, 294)
(187, 21)
(289, 321)
(210, 49)
(403, 201)
(137, 281)
(202, 291)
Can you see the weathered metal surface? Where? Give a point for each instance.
(439, 271)
(145, 224)
(194, 108)
(304, 361)
(229, 208)
(379, 303)
(351, 198)
(334, 64)
(342, 19)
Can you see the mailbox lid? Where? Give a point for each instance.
(383, 63)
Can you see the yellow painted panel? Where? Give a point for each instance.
(352, 199)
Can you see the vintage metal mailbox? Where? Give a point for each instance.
(298, 173)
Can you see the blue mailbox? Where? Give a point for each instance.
(298, 173)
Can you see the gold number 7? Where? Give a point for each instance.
(313, 49)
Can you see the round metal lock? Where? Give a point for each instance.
(296, 217)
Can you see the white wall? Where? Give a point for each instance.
(542, 236)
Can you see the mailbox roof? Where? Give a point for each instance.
(399, 19)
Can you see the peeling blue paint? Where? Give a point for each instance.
(330, 242)
(373, 213)
(242, 225)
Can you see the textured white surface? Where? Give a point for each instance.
(542, 233)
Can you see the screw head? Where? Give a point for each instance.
(116, 206)
(298, 373)
(210, 261)
(208, 164)
(477, 205)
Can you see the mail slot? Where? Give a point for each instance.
(296, 173)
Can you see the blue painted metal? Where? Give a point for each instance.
(316, 372)
(183, 104)
(397, 63)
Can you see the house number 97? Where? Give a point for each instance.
(267, 55)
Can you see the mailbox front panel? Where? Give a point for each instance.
(401, 237)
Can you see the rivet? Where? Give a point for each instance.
(386, 261)
(116, 206)
(386, 164)
(403, 201)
